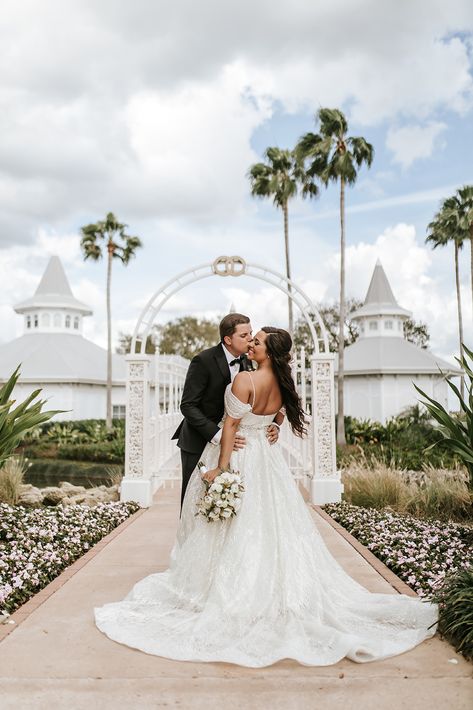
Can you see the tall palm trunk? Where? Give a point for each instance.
(288, 266)
(109, 340)
(341, 440)
(471, 266)
(459, 310)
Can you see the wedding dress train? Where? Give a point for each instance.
(261, 586)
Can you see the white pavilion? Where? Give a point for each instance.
(55, 356)
(381, 366)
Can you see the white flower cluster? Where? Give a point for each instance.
(37, 544)
(222, 498)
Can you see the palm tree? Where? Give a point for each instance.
(462, 213)
(107, 234)
(280, 178)
(445, 229)
(333, 156)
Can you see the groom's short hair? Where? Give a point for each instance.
(229, 323)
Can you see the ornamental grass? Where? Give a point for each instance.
(431, 493)
(11, 479)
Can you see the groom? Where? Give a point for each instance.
(202, 398)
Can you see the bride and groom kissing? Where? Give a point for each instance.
(202, 403)
(260, 586)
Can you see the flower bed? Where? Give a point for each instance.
(37, 545)
(420, 552)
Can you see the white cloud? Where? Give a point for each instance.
(192, 146)
(151, 108)
(414, 141)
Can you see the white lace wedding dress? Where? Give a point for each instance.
(261, 586)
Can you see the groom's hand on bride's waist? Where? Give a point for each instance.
(240, 442)
(272, 433)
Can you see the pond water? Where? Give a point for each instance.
(44, 473)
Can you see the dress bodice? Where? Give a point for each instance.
(243, 410)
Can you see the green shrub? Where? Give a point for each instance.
(107, 452)
(405, 441)
(41, 450)
(80, 431)
(455, 600)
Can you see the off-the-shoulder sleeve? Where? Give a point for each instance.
(233, 406)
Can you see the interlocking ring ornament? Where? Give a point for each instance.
(229, 266)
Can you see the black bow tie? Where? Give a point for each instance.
(236, 361)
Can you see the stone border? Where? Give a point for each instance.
(37, 599)
(376, 563)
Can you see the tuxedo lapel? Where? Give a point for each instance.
(222, 363)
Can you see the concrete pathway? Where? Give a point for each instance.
(56, 658)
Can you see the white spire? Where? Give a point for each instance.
(54, 279)
(53, 307)
(379, 290)
(380, 314)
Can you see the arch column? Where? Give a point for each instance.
(326, 486)
(136, 484)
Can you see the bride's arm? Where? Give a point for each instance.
(230, 428)
(241, 390)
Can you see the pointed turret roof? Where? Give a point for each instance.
(54, 279)
(379, 290)
(379, 298)
(53, 291)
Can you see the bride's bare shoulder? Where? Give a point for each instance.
(241, 386)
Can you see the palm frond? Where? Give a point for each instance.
(332, 122)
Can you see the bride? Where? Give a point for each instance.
(261, 586)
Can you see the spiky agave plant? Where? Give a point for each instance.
(457, 434)
(16, 421)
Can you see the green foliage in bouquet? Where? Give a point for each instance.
(16, 421)
(457, 432)
(455, 600)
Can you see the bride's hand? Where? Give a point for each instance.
(210, 475)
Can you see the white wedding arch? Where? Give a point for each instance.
(151, 457)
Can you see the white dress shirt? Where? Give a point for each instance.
(234, 370)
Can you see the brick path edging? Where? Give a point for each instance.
(376, 563)
(37, 599)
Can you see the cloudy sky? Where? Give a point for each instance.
(156, 111)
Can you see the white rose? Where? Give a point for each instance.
(226, 513)
(217, 487)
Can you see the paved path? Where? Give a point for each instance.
(57, 658)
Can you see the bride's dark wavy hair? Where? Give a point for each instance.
(278, 346)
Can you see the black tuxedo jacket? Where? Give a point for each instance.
(202, 398)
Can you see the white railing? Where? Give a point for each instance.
(297, 450)
(169, 378)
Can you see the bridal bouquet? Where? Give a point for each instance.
(222, 498)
